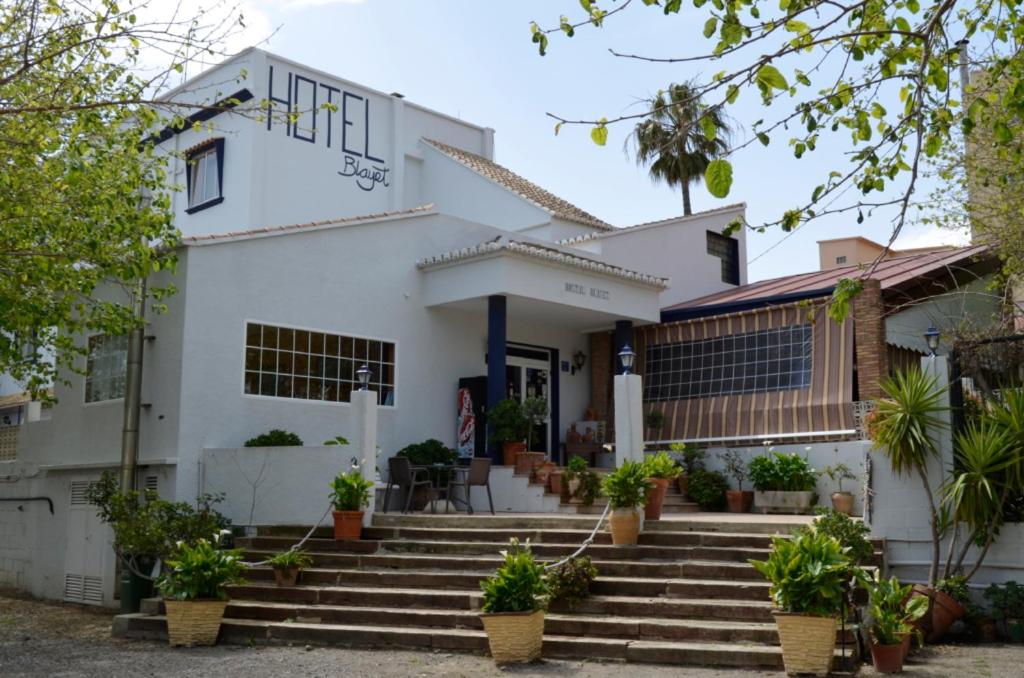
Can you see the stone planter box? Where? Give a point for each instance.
(783, 502)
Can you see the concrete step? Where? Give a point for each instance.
(561, 536)
(613, 568)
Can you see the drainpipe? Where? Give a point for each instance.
(133, 392)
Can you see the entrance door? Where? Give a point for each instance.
(528, 377)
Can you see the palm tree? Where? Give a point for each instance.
(671, 140)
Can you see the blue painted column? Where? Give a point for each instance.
(497, 335)
(623, 336)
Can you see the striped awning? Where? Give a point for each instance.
(746, 395)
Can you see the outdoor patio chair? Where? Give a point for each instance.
(477, 474)
(407, 478)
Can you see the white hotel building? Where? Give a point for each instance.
(381, 233)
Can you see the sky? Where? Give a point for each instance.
(474, 59)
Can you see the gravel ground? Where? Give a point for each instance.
(63, 640)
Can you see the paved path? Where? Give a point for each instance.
(68, 641)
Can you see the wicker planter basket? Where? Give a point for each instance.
(194, 622)
(807, 642)
(514, 637)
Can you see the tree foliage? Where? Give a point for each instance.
(84, 199)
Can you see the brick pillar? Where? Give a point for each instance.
(869, 338)
(600, 374)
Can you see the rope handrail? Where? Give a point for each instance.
(586, 542)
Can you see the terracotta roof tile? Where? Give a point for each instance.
(508, 179)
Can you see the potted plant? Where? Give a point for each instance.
(782, 482)
(513, 606)
(841, 501)
(891, 613)
(851, 534)
(288, 564)
(1007, 603)
(739, 500)
(434, 456)
(707, 489)
(570, 581)
(555, 479)
(582, 485)
(509, 429)
(808, 573)
(350, 492)
(692, 460)
(660, 469)
(194, 586)
(626, 488)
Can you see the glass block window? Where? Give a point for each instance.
(285, 362)
(106, 367)
(728, 250)
(766, 360)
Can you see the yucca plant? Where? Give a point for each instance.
(903, 426)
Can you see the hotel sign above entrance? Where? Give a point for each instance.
(588, 291)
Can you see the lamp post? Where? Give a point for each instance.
(932, 336)
(627, 356)
(363, 375)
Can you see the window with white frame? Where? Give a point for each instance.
(204, 175)
(285, 362)
(767, 360)
(106, 367)
(841, 259)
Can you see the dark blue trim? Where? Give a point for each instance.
(554, 399)
(497, 344)
(743, 305)
(218, 145)
(366, 136)
(346, 123)
(287, 102)
(330, 101)
(312, 138)
(623, 336)
(203, 206)
(202, 115)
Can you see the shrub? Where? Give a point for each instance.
(956, 588)
(838, 473)
(350, 491)
(291, 559)
(507, 422)
(590, 483)
(654, 419)
(692, 457)
(708, 488)
(571, 580)
(429, 452)
(891, 609)
(780, 472)
(735, 466)
(807, 572)
(275, 438)
(1007, 601)
(851, 534)
(518, 585)
(661, 465)
(535, 410)
(626, 486)
(200, 571)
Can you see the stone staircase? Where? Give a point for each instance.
(684, 595)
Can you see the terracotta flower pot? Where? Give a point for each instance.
(625, 526)
(684, 485)
(887, 658)
(509, 452)
(739, 502)
(525, 462)
(555, 482)
(987, 630)
(348, 525)
(574, 488)
(905, 645)
(286, 577)
(945, 611)
(655, 498)
(843, 502)
(543, 471)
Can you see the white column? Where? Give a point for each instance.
(937, 367)
(629, 420)
(364, 441)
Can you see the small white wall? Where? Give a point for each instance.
(852, 453)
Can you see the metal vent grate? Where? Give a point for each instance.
(152, 484)
(83, 589)
(73, 587)
(78, 491)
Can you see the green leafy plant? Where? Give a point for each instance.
(337, 440)
(570, 581)
(508, 423)
(535, 410)
(808, 573)
(837, 473)
(518, 585)
(350, 491)
(275, 438)
(692, 458)
(291, 559)
(851, 534)
(892, 609)
(956, 588)
(654, 419)
(626, 486)
(428, 453)
(1006, 600)
(590, 483)
(735, 466)
(661, 465)
(708, 489)
(200, 570)
(778, 472)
